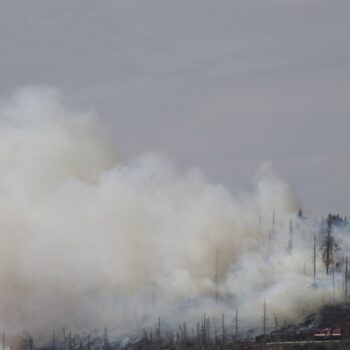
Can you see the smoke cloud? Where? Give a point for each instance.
(89, 240)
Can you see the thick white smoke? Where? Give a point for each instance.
(87, 240)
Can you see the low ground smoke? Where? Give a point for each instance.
(87, 240)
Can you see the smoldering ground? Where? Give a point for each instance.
(88, 239)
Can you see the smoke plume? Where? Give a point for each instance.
(89, 240)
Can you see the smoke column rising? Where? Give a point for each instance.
(87, 240)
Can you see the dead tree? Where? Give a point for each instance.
(276, 321)
(272, 232)
(54, 340)
(236, 325)
(158, 334)
(70, 340)
(346, 278)
(198, 334)
(28, 342)
(64, 336)
(290, 240)
(327, 245)
(264, 319)
(183, 330)
(105, 340)
(205, 330)
(217, 274)
(208, 330)
(223, 329)
(185, 334)
(314, 256)
(260, 226)
(88, 345)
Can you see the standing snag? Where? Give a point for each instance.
(328, 243)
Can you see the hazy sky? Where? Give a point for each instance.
(223, 85)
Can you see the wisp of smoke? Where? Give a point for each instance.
(89, 240)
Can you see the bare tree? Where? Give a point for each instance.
(290, 240)
(276, 321)
(314, 256)
(54, 340)
(223, 329)
(264, 318)
(346, 278)
(217, 274)
(105, 340)
(327, 245)
(236, 325)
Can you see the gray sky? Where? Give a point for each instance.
(222, 85)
